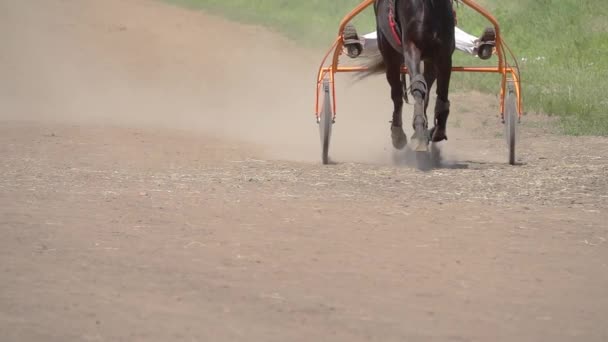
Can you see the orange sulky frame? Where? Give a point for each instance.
(502, 68)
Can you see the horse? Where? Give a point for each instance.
(411, 32)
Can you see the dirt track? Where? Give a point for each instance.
(154, 190)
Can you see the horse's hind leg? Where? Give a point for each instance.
(419, 90)
(442, 104)
(430, 75)
(393, 75)
(393, 61)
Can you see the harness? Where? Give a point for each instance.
(392, 23)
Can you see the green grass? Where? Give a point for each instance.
(561, 46)
(312, 22)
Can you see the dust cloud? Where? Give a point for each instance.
(172, 68)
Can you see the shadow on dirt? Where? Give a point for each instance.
(432, 160)
(435, 159)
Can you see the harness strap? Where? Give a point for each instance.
(391, 21)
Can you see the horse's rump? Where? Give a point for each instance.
(429, 24)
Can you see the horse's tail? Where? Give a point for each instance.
(374, 66)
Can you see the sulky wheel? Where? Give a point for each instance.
(326, 120)
(511, 118)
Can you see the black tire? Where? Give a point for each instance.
(511, 120)
(326, 119)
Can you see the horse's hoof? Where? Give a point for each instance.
(399, 138)
(438, 135)
(422, 138)
(422, 147)
(431, 132)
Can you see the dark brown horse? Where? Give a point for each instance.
(411, 32)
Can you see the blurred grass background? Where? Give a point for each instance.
(561, 47)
